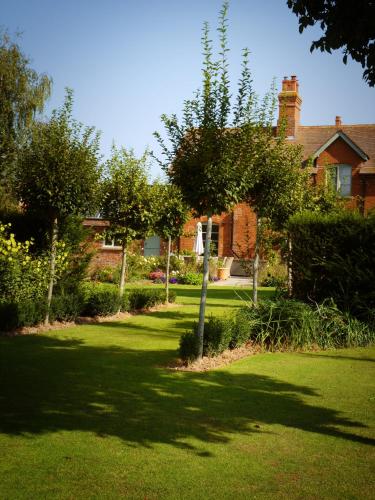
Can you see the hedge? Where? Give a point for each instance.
(333, 256)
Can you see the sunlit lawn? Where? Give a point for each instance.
(92, 412)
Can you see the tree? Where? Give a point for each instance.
(203, 157)
(171, 215)
(347, 24)
(58, 173)
(127, 200)
(23, 93)
(278, 187)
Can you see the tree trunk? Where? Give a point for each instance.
(290, 276)
(256, 261)
(122, 275)
(167, 273)
(54, 233)
(202, 306)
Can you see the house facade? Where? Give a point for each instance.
(347, 150)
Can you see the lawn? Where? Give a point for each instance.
(92, 412)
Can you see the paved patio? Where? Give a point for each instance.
(237, 281)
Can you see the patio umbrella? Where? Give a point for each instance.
(198, 247)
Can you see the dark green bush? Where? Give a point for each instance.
(188, 347)
(334, 257)
(100, 300)
(217, 335)
(242, 325)
(144, 298)
(25, 313)
(66, 307)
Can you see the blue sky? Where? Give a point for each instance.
(129, 61)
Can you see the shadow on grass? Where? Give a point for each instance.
(50, 384)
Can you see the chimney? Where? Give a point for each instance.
(338, 121)
(290, 105)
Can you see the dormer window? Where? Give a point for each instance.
(341, 176)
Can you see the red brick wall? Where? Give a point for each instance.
(238, 237)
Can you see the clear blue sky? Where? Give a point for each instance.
(129, 61)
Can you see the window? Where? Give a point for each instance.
(109, 242)
(214, 237)
(341, 176)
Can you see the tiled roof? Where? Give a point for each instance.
(312, 138)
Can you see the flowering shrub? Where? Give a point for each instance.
(156, 275)
(22, 275)
(173, 280)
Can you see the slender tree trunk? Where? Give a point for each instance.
(122, 275)
(54, 233)
(167, 273)
(202, 306)
(256, 261)
(290, 276)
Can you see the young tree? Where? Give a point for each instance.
(127, 200)
(279, 188)
(58, 173)
(23, 93)
(203, 156)
(171, 215)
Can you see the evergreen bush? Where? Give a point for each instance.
(333, 256)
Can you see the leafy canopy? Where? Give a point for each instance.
(58, 171)
(171, 211)
(127, 197)
(203, 151)
(23, 93)
(347, 24)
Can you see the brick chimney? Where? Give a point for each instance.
(338, 121)
(290, 105)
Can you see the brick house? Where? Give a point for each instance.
(348, 149)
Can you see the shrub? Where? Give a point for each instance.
(100, 299)
(66, 307)
(189, 347)
(190, 279)
(334, 257)
(217, 335)
(242, 323)
(26, 313)
(144, 298)
(156, 275)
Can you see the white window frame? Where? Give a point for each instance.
(337, 179)
(112, 245)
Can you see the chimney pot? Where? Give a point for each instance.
(338, 121)
(293, 77)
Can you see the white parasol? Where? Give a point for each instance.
(198, 247)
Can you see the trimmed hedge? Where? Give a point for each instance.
(144, 298)
(25, 313)
(91, 300)
(333, 256)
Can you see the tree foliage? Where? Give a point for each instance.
(23, 93)
(204, 153)
(128, 200)
(347, 24)
(58, 172)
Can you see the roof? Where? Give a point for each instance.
(359, 137)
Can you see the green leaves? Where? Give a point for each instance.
(58, 169)
(127, 197)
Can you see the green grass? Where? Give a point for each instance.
(90, 412)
